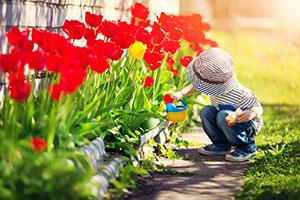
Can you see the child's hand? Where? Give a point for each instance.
(177, 96)
(245, 116)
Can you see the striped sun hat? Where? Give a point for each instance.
(212, 72)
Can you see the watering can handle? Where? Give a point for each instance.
(183, 103)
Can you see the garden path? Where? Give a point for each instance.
(196, 176)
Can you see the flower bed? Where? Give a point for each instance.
(109, 88)
(107, 166)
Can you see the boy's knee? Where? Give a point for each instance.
(207, 112)
(221, 118)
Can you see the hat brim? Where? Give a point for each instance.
(208, 88)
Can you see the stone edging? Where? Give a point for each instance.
(110, 169)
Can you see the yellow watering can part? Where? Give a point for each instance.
(177, 117)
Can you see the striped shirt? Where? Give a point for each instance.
(239, 97)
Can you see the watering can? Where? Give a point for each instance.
(176, 112)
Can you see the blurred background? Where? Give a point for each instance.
(263, 37)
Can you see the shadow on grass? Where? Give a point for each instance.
(275, 172)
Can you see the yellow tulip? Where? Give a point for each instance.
(137, 50)
(162, 107)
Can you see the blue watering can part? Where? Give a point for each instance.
(176, 107)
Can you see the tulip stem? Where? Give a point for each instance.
(156, 86)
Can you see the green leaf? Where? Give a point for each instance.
(85, 128)
(111, 107)
(147, 104)
(89, 107)
(128, 149)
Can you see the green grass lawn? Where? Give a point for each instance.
(270, 66)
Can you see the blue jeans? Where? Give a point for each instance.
(241, 135)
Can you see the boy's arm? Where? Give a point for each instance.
(184, 92)
(258, 111)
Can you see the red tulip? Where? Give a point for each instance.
(140, 11)
(74, 29)
(168, 99)
(112, 50)
(26, 45)
(36, 60)
(14, 36)
(38, 144)
(124, 40)
(148, 82)
(140, 23)
(140, 14)
(157, 35)
(152, 57)
(108, 28)
(195, 20)
(171, 45)
(167, 22)
(185, 61)
(125, 36)
(192, 26)
(73, 69)
(53, 63)
(77, 56)
(96, 47)
(52, 42)
(175, 34)
(20, 39)
(210, 42)
(93, 20)
(142, 35)
(156, 48)
(89, 34)
(25, 33)
(18, 87)
(194, 36)
(37, 36)
(174, 70)
(154, 66)
(170, 61)
(56, 92)
(20, 92)
(198, 49)
(99, 64)
(71, 79)
(10, 62)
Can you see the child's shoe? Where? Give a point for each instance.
(240, 155)
(214, 150)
